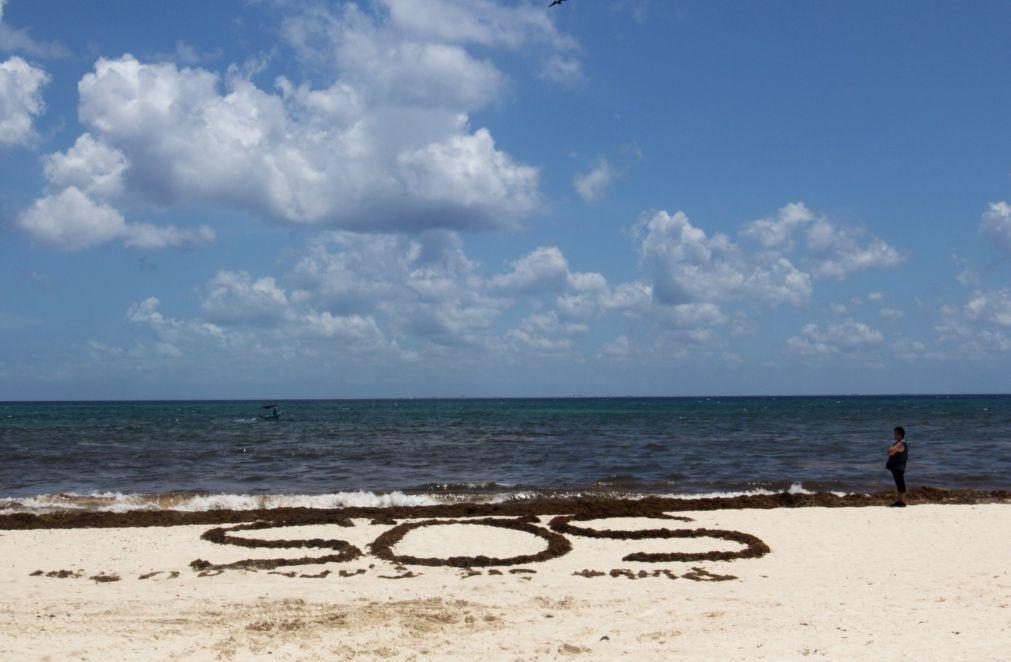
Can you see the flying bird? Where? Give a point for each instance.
(556, 2)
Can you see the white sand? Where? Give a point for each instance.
(927, 582)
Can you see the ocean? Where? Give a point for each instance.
(330, 453)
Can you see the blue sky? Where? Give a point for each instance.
(390, 198)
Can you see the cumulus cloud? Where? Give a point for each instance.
(170, 329)
(301, 156)
(20, 101)
(997, 225)
(840, 253)
(686, 265)
(543, 269)
(591, 185)
(846, 337)
(977, 329)
(831, 251)
(235, 296)
(412, 296)
(423, 287)
(993, 306)
(313, 329)
(468, 179)
(385, 143)
(419, 296)
(71, 220)
(89, 165)
(777, 231)
(545, 333)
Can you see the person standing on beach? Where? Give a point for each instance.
(898, 454)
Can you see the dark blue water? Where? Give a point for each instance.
(675, 445)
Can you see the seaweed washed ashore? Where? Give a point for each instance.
(582, 509)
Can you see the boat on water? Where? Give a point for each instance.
(272, 413)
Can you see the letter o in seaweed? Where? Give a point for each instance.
(558, 545)
(754, 547)
(220, 535)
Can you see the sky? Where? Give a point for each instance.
(446, 198)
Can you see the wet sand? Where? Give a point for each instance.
(522, 581)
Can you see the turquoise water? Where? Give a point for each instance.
(665, 445)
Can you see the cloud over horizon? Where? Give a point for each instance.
(386, 145)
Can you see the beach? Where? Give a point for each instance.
(932, 581)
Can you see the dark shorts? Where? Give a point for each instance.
(900, 479)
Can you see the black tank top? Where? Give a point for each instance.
(898, 461)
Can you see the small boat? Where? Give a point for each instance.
(271, 415)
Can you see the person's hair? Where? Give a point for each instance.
(902, 431)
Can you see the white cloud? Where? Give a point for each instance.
(314, 329)
(71, 220)
(301, 156)
(346, 328)
(235, 296)
(384, 144)
(777, 231)
(839, 253)
(966, 328)
(546, 333)
(544, 269)
(170, 329)
(876, 297)
(423, 287)
(832, 252)
(20, 101)
(997, 225)
(992, 306)
(89, 165)
(467, 178)
(686, 266)
(591, 185)
(846, 337)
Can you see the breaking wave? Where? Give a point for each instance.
(117, 502)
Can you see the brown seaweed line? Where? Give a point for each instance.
(599, 507)
(561, 524)
(557, 545)
(754, 547)
(346, 551)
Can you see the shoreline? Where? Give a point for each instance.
(583, 507)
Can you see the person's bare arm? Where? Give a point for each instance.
(896, 448)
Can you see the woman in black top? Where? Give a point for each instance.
(898, 454)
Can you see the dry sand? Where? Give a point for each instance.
(925, 582)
